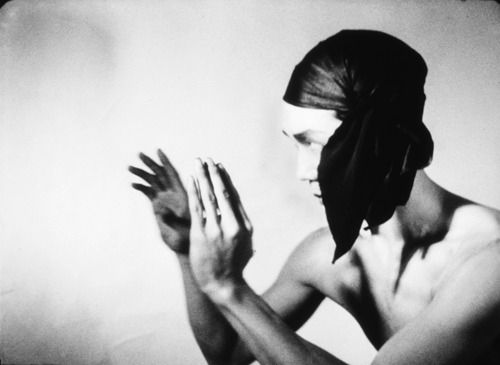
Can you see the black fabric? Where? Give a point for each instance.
(375, 83)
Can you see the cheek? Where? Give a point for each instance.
(308, 159)
(314, 155)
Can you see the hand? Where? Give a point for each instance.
(169, 199)
(221, 233)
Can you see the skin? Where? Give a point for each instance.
(423, 285)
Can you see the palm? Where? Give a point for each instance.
(172, 214)
(169, 200)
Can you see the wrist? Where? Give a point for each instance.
(183, 259)
(184, 256)
(222, 292)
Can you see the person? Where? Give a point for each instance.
(416, 265)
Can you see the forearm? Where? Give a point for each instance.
(264, 332)
(216, 338)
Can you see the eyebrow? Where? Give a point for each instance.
(300, 137)
(304, 133)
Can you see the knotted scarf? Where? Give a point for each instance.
(375, 83)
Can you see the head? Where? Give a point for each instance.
(370, 86)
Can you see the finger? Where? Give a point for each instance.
(235, 199)
(222, 194)
(147, 190)
(195, 206)
(149, 178)
(170, 171)
(246, 220)
(230, 192)
(208, 197)
(160, 174)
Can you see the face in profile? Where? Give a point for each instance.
(309, 130)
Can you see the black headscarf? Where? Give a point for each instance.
(375, 83)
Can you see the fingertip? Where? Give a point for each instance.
(198, 163)
(211, 163)
(136, 186)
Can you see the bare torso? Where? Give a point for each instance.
(385, 288)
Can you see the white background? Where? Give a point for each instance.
(86, 85)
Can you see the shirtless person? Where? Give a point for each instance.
(417, 266)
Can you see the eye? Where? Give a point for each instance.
(310, 143)
(314, 145)
(310, 140)
(313, 148)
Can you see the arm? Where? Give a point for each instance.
(215, 337)
(170, 206)
(220, 249)
(460, 324)
(290, 295)
(457, 328)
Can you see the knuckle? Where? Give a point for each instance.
(213, 232)
(211, 198)
(232, 231)
(225, 194)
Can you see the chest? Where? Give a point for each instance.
(389, 286)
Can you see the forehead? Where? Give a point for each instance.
(297, 120)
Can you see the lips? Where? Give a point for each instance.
(315, 189)
(320, 199)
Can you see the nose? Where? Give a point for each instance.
(307, 164)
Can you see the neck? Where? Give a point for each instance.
(425, 218)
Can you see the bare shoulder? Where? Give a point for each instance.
(316, 245)
(477, 229)
(311, 264)
(314, 251)
(473, 279)
(477, 219)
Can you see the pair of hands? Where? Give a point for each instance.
(206, 222)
